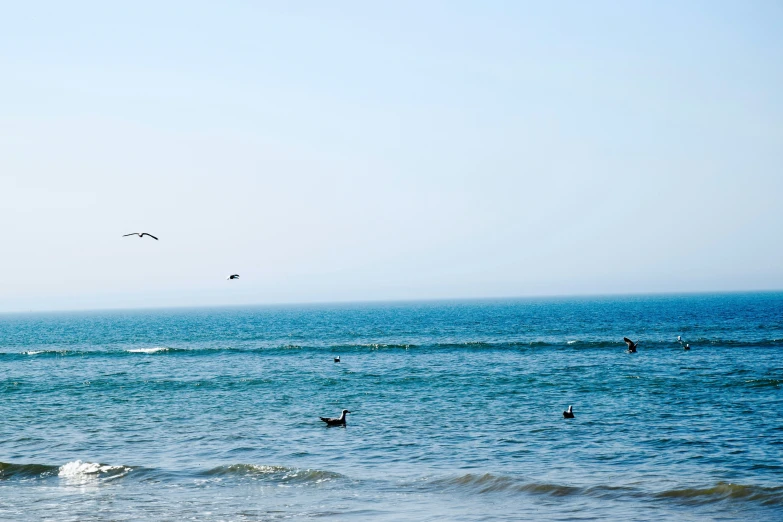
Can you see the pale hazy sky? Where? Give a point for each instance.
(331, 151)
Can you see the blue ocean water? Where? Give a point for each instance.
(212, 414)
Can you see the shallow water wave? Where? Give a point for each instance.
(17, 471)
(722, 491)
(490, 483)
(71, 470)
(275, 474)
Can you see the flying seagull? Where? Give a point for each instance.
(233, 276)
(340, 421)
(140, 234)
(631, 345)
(569, 413)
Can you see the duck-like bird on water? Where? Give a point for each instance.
(631, 345)
(569, 413)
(140, 234)
(340, 421)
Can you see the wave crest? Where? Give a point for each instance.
(80, 470)
(720, 492)
(8, 470)
(155, 349)
(277, 474)
(489, 483)
(769, 496)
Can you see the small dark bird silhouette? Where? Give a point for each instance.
(140, 234)
(569, 413)
(687, 346)
(337, 359)
(631, 345)
(232, 276)
(340, 421)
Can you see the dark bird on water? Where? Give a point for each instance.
(233, 276)
(631, 345)
(140, 234)
(687, 346)
(340, 421)
(569, 413)
(337, 359)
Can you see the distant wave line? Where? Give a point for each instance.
(358, 347)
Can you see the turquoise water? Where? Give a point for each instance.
(212, 414)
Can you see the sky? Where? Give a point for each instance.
(351, 151)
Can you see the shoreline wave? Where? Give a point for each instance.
(480, 484)
(722, 491)
(276, 474)
(76, 469)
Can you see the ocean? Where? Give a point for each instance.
(213, 414)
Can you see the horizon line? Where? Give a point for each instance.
(393, 301)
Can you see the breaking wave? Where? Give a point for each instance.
(75, 470)
(91, 470)
(156, 349)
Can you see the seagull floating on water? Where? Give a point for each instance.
(140, 234)
(232, 276)
(631, 345)
(569, 413)
(340, 421)
(337, 359)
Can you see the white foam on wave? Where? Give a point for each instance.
(572, 342)
(148, 350)
(33, 352)
(86, 470)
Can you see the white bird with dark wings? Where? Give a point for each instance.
(340, 421)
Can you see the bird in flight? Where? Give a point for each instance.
(140, 234)
(233, 276)
(340, 421)
(631, 345)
